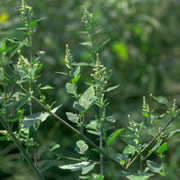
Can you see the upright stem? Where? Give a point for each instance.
(102, 118)
(21, 149)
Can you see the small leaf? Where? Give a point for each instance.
(97, 133)
(56, 146)
(46, 87)
(22, 102)
(72, 117)
(87, 98)
(130, 150)
(88, 168)
(111, 88)
(62, 73)
(113, 136)
(154, 167)
(81, 147)
(75, 79)
(75, 167)
(142, 176)
(33, 24)
(77, 71)
(162, 148)
(111, 119)
(172, 133)
(70, 88)
(160, 100)
(92, 125)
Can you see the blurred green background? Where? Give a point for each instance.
(143, 54)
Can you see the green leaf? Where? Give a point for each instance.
(81, 147)
(75, 167)
(130, 150)
(3, 46)
(111, 88)
(77, 71)
(142, 176)
(172, 133)
(46, 87)
(113, 136)
(72, 117)
(88, 168)
(46, 164)
(87, 98)
(154, 167)
(75, 79)
(56, 146)
(97, 133)
(160, 100)
(70, 88)
(162, 148)
(62, 73)
(111, 119)
(29, 121)
(22, 102)
(92, 125)
(33, 24)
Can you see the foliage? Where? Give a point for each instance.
(93, 153)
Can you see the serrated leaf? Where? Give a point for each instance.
(72, 117)
(113, 136)
(70, 88)
(111, 88)
(142, 176)
(81, 147)
(154, 167)
(87, 98)
(46, 87)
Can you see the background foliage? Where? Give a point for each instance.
(142, 50)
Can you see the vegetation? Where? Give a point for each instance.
(107, 108)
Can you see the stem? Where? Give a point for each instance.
(154, 138)
(90, 142)
(21, 149)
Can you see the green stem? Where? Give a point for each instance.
(21, 149)
(154, 138)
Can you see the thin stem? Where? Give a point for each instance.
(154, 138)
(90, 142)
(21, 149)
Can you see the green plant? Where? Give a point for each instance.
(21, 89)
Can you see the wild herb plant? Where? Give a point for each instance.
(20, 74)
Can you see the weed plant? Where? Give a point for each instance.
(96, 159)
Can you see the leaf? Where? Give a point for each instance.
(111, 88)
(46, 87)
(70, 88)
(77, 71)
(29, 121)
(56, 146)
(87, 43)
(111, 119)
(129, 150)
(87, 98)
(172, 133)
(22, 102)
(154, 167)
(46, 164)
(81, 147)
(62, 73)
(142, 176)
(113, 136)
(78, 107)
(162, 148)
(88, 168)
(97, 133)
(160, 100)
(72, 117)
(75, 79)
(92, 125)
(75, 167)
